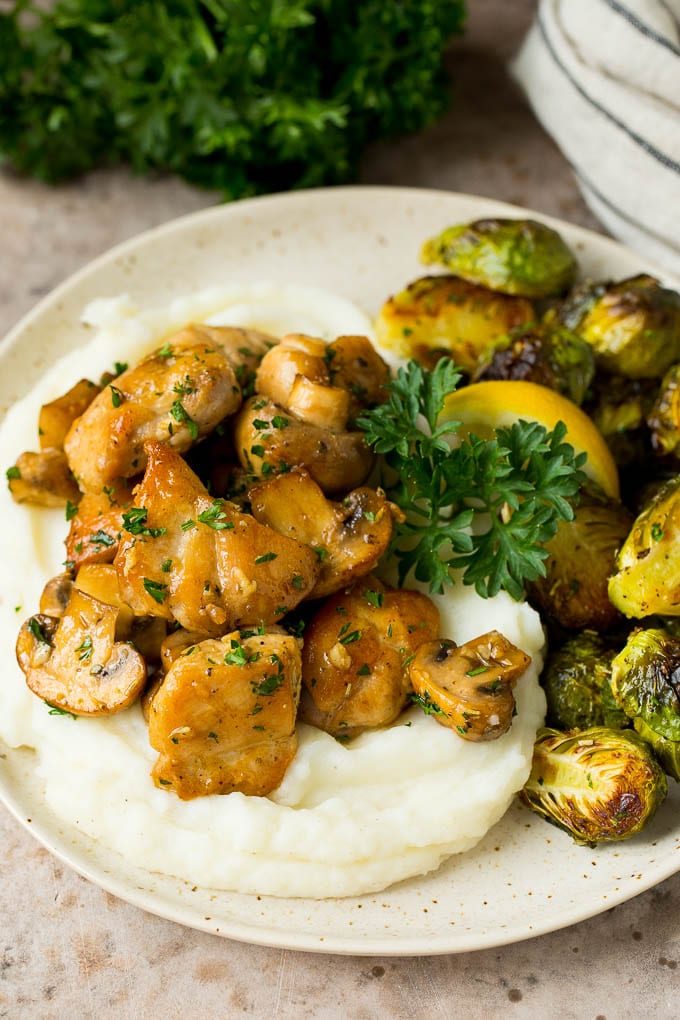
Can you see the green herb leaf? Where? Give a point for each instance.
(157, 590)
(134, 521)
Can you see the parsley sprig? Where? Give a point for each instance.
(486, 507)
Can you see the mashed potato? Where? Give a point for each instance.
(347, 819)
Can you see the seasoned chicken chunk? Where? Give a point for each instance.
(97, 524)
(223, 720)
(348, 537)
(177, 395)
(356, 654)
(203, 562)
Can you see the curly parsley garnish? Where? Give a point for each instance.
(486, 507)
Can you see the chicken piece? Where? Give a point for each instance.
(201, 561)
(356, 654)
(57, 417)
(76, 664)
(243, 349)
(469, 688)
(440, 316)
(97, 524)
(223, 720)
(178, 395)
(349, 537)
(270, 441)
(42, 479)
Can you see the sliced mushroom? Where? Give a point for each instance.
(296, 375)
(97, 524)
(178, 395)
(201, 561)
(469, 688)
(356, 654)
(57, 417)
(55, 595)
(43, 479)
(270, 441)
(223, 720)
(349, 537)
(357, 367)
(76, 664)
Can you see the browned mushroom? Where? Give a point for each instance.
(223, 720)
(178, 395)
(201, 561)
(349, 537)
(356, 654)
(57, 417)
(97, 523)
(55, 595)
(76, 664)
(356, 366)
(43, 479)
(469, 688)
(271, 441)
(296, 375)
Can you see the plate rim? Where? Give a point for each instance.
(351, 944)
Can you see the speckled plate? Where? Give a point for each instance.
(525, 878)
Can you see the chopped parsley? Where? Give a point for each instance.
(215, 517)
(157, 590)
(134, 521)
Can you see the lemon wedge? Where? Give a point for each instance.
(485, 406)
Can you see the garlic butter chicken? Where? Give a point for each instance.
(211, 489)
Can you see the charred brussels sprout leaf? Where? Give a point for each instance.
(513, 256)
(619, 407)
(648, 566)
(581, 558)
(664, 418)
(646, 680)
(598, 785)
(544, 353)
(666, 751)
(577, 685)
(633, 326)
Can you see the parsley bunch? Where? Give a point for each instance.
(484, 506)
(238, 95)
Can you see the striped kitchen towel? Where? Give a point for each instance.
(603, 77)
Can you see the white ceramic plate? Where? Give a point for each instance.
(525, 878)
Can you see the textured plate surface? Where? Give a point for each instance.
(525, 878)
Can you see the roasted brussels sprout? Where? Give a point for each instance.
(647, 578)
(619, 407)
(439, 316)
(664, 417)
(545, 353)
(598, 785)
(576, 679)
(666, 751)
(633, 326)
(514, 256)
(582, 557)
(646, 680)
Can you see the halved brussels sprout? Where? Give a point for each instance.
(647, 579)
(619, 407)
(514, 256)
(646, 680)
(576, 679)
(666, 751)
(633, 326)
(582, 557)
(664, 417)
(598, 785)
(545, 353)
(445, 316)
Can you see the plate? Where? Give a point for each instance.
(525, 878)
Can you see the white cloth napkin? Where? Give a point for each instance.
(603, 77)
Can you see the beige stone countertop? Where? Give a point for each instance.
(68, 949)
